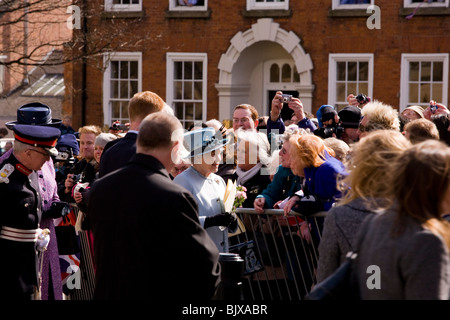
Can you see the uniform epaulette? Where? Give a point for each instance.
(5, 172)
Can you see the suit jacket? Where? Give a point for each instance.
(117, 153)
(148, 243)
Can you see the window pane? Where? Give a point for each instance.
(133, 88)
(133, 70)
(198, 111)
(352, 67)
(286, 73)
(340, 92)
(425, 93)
(198, 90)
(114, 69)
(124, 109)
(363, 88)
(351, 88)
(413, 93)
(187, 70)
(296, 75)
(187, 90)
(340, 71)
(425, 71)
(437, 71)
(179, 110)
(178, 89)
(274, 73)
(124, 69)
(114, 89)
(189, 111)
(198, 70)
(363, 71)
(123, 90)
(437, 92)
(178, 70)
(115, 109)
(414, 71)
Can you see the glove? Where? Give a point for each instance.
(221, 219)
(57, 210)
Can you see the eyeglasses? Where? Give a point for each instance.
(44, 154)
(243, 120)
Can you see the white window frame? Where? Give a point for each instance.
(109, 6)
(171, 58)
(173, 6)
(336, 5)
(348, 57)
(410, 4)
(117, 56)
(404, 80)
(253, 5)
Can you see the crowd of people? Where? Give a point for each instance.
(152, 191)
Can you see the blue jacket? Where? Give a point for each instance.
(322, 181)
(305, 123)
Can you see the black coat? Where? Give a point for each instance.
(148, 243)
(20, 209)
(117, 153)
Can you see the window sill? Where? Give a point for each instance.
(267, 13)
(348, 13)
(435, 11)
(185, 14)
(122, 14)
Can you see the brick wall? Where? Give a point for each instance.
(320, 33)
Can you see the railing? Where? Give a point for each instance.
(280, 253)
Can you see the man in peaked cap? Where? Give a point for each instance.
(22, 210)
(39, 114)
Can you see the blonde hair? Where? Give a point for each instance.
(368, 163)
(419, 182)
(90, 129)
(249, 107)
(380, 116)
(144, 103)
(339, 147)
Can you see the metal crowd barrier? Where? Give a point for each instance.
(280, 253)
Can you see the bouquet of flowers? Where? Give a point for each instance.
(241, 196)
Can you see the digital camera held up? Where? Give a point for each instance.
(362, 99)
(286, 98)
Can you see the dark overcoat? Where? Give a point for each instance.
(148, 243)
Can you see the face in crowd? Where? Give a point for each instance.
(87, 141)
(242, 118)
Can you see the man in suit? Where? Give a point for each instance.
(148, 243)
(117, 153)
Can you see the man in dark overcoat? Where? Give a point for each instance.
(148, 243)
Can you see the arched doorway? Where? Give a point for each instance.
(243, 69)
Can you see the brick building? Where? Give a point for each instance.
(205, 59)
(31, 45)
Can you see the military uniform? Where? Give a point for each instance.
(20, 215)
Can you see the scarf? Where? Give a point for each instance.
(244, 176)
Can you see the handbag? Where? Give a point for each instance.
(340, 285)
(67, 238)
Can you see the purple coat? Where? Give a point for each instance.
(51, 271)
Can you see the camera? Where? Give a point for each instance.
(433, 108)
(286, 98)
(362, 99)
(327, 132)
(76, 178)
